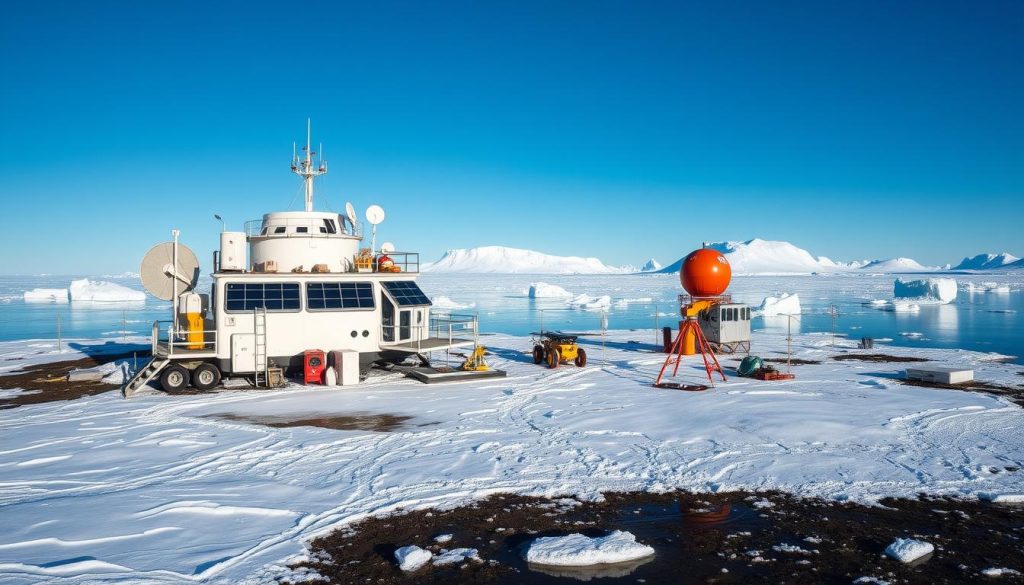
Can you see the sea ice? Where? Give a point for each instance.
(589, 303)
(787, 304)
(908, 550)
(576, 550)
(443, 302)
(412, 557)
(543, 290)
(97, 290)
(941, 289)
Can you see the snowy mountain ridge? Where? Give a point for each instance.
(989, 262)
(501, 259)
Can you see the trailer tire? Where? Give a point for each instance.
(174, 378)
(581, 358)
(206, 376)
(538, 354)
(553, 358)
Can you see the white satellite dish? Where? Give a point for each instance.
(387, 247)
(158, 271)
(374, 214)
(350, 212)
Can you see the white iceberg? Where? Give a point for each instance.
(589, 303)
(908, 550)
(443, 302)
(46, 295)
(940, 289)
(787, 304)
(412, 557)
(100, 291)
(651, 265)
(500, 259)
(543, 290)
(577, 550)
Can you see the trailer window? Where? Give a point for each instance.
(302, 229)
(406, 293)
(327, 296)
(280, 229)
(272, 296)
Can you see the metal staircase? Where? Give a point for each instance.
(142, 377)
(261, 375)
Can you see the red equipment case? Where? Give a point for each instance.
(314, 364)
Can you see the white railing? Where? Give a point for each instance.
(180, 344)
(447, 327)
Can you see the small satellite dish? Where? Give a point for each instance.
(158, 272)
(375, 214)
(350, 212)
(387, 247)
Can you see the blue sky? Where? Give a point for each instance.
(621, 130)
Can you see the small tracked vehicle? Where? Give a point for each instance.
(553, 348)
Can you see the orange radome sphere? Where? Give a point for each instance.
(705, 273)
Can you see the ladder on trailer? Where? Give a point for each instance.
(260, 351)
(142, 377)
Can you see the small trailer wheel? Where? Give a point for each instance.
(206, 376)
(581, 358)
(553, 358)
(538, 354)
(175, 378)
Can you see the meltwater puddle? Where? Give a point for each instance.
(351, 421)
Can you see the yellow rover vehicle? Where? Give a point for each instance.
(556, 348)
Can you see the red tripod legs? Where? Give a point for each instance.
(710, 365)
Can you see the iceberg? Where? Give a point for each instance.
(787, 304)
(543, 290)
(100, 291)
(502, 260)
(46, 295)
(939, 289)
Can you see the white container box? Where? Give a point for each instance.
(940, 375)
(232, 251)
(346, 364)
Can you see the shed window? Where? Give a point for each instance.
(325, 296)
(273, 296)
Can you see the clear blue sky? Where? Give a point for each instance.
(622, 130)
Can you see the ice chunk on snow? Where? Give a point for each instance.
(576, 550)
(457, 555)
(443, 302)
(787, 304)
(89, 290)
(543, 290)
(941, 289)
(589, 303)
(443, 538)
(46, 295)
(908, 550)
(999, 572)
(412, 557)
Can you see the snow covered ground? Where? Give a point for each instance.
(165, 489)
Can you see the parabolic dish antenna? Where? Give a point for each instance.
(350, 212)
(158, 271)
(387, 247)
(374, 214)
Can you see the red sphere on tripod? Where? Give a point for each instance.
(705, 273)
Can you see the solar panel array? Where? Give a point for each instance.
(406, 293)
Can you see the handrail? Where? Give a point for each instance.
(180, 339)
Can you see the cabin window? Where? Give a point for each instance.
(329, 227)
(280, 229)
(406, 293)
(746, 313)
(263, 232)
(302, 229)
(327, 296)
(245, 296)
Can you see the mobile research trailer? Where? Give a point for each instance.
(291, 282)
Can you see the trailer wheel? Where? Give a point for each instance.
(538, 354)
(581, 358)
(553, 358)
(174, 379)
(206, 376)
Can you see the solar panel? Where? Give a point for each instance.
(322, 296)
(406, 293)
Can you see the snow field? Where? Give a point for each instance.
(164, 489)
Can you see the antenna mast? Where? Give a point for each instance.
(305, 168)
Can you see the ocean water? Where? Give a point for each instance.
(981, 321)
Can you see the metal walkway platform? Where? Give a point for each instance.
(430, 344)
